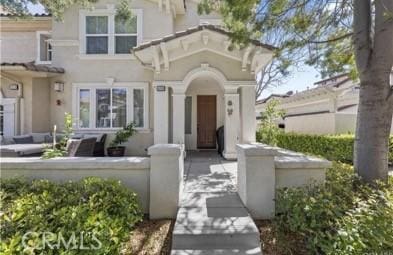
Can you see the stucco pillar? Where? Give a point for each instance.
(256, 179)
(166, 180)
(161, 115)
(232, 125)
(247, 114)
(178, 118)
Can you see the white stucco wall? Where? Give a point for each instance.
(311, 124)
(191, 17)
(18, 46)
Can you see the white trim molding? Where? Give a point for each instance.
(38, 52)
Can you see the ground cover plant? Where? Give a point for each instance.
(342, 216)
(91, 216)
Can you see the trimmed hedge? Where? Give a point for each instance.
(341, 217)
(94, 213)
(331, 147)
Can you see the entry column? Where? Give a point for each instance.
(247, 113)
(232, 125)
(161, 114)
(178, 117)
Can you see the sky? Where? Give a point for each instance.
(299, 81)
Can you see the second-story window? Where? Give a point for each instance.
(97, 35)
(125, 35)
(104, 34)
(44, 48)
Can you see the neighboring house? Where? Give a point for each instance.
(328, 108)
(181, 82)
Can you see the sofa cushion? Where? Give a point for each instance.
(23, 139)
(77, 136)
(97, 136)
(7, 140)
(21, 149)
(39, 137)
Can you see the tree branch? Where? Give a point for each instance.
(332, 40)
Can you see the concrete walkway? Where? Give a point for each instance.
(211, 218)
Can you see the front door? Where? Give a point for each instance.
(206, 122)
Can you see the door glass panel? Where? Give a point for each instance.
(119, 112)
(97, 45)
(96, 24)
(103, 101)
(84, 108)
(188, 116)
(126, 27)
(1, 120)
(124, 44)
(139, 107)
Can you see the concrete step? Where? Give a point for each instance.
(204, 228)
(252, 251)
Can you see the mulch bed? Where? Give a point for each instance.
(275, 244)
(150, 237)
(154, 237)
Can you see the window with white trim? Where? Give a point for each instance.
(97, 34)
(102, 33)
(44, 48)
(104, 107)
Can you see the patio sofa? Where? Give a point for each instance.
(99, 147)
(32, 144)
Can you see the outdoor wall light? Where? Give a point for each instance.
(160, 88)
(13, 86)
(58, 86)
(230, 109)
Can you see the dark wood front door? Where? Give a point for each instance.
(206, 122)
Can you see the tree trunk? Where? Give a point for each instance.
(374, 121)
(373, 41)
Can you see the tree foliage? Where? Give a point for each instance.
(57, 7)
(317, 32)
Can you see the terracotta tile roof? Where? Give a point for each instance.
(30, 66)
(194, 30)
(37, 15)
(264, 100)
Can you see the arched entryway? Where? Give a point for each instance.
(204, 112)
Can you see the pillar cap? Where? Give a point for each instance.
(165, 149)
(256, 150)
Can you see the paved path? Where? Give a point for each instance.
(211, 218)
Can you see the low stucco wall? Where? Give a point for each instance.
(298, 171)
(133, 172)
(263, 169)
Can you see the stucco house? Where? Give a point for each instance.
(169, 70)
(330, 107)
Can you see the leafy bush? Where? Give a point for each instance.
(268, 129)
(332, 147)
(343, 216)
(96, 209)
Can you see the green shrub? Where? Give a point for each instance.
(332, 147)
(92, 208)
(343, 216)
(268, 129)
